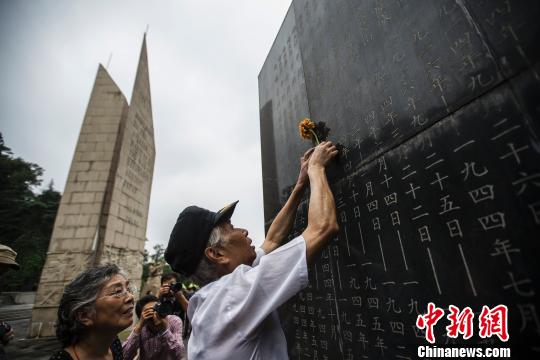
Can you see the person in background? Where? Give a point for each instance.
(170, 290)
(7, 262)
(155, 337)
(96, 306)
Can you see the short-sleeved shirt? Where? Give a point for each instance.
(235, 317)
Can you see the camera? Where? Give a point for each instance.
(176, 287)
(165, 306)
(4, 329)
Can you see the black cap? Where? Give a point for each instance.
(190, 236)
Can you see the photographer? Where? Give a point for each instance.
(171, 290)
(156, 335)
(7, 262)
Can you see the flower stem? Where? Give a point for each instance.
(316, 138)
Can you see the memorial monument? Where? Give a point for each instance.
(103, 213)
(437, 187)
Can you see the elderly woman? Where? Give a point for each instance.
(95, 307)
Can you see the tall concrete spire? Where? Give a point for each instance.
(103, 213)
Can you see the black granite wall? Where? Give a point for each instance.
(437, 105)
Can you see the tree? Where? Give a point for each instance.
(157, 257)
(26, 218)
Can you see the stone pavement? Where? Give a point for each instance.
(18, 316)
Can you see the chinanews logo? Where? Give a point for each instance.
(491, 322)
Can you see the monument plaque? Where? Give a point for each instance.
(438, 184)
(103, 213)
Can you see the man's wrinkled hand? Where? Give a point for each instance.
(304, 165)
(323, 153)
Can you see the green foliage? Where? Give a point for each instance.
(26, 218)
(157, 257)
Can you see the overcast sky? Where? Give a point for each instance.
(204, 58)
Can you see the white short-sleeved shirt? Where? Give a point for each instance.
(235, 317)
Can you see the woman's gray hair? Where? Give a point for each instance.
(206, 271)
(80, 296)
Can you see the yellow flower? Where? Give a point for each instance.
(307, 130)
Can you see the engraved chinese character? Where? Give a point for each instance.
(516, 286)
(368, 284)
(471, 168)
(362, 339)
(514, 152)
(447, 205)
(356, 300)
(525, 180)
(439, 180)
(412, 190)
(391, 305)
(376, 324)
(397, 327)
(493, 221)
(382, 163)
(394, 216)
(374, 205)
(373, 302)
(356, 210)
(352, 283)
(482, 193)
(376, 224)
(478, 81)
(390, 199)
(386, 181)
(369, 189)
(503, 247)
(379, 343)
(454, 228)
(343, 216)
(424, 233)
(354, 195)
(528, 315)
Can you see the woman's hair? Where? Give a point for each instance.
(206, 271)
(143, 301)
(80, 296)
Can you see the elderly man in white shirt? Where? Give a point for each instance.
(233, 316)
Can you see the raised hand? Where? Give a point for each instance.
(322, 155)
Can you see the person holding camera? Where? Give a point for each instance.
(234, 315)
(172, 291)
(157, 334)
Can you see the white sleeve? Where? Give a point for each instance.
(256, 292)
(259, 253)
